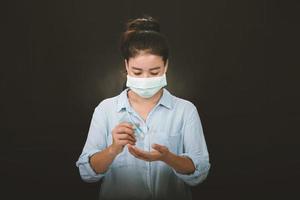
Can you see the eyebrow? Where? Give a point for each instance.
(141, 69)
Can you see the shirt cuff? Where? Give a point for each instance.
(87, 173)
(198, 175)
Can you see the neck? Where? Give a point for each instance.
(149, 101)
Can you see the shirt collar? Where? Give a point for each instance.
(165, 100)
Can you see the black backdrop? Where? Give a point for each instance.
(235, 60)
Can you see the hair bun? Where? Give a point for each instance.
(146, 23)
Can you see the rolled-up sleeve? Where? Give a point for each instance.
(96, 141)
(195, 148)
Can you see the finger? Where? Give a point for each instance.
(141, 153)
(130, 149)
(126, 137)
(159, 147)
(125, 142)
(124, 129)
(126, 124)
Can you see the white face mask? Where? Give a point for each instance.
(146, 87)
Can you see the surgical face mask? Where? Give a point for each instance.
(146, 87)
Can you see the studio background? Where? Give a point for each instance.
(235, 60)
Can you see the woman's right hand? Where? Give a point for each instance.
(122, 134)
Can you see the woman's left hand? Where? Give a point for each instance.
(159, 153)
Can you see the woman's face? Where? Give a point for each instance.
(146, 65)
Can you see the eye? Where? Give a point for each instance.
(137, 74)
(154, 74)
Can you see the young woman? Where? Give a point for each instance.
(145, 143)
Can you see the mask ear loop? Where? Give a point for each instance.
(166, 66)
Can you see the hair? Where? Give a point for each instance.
(142, 35)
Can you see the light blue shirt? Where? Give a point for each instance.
(173, 122)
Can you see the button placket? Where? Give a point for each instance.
(144, 125)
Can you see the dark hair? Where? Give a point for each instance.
(143, 35)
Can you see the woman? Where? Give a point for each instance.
(145, 143)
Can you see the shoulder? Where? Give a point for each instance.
(184, 104)
(187, 110)
(107, 104)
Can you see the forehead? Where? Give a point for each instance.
(146, 61)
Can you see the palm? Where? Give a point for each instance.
(153, 155)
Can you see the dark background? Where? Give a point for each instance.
(237, 61)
